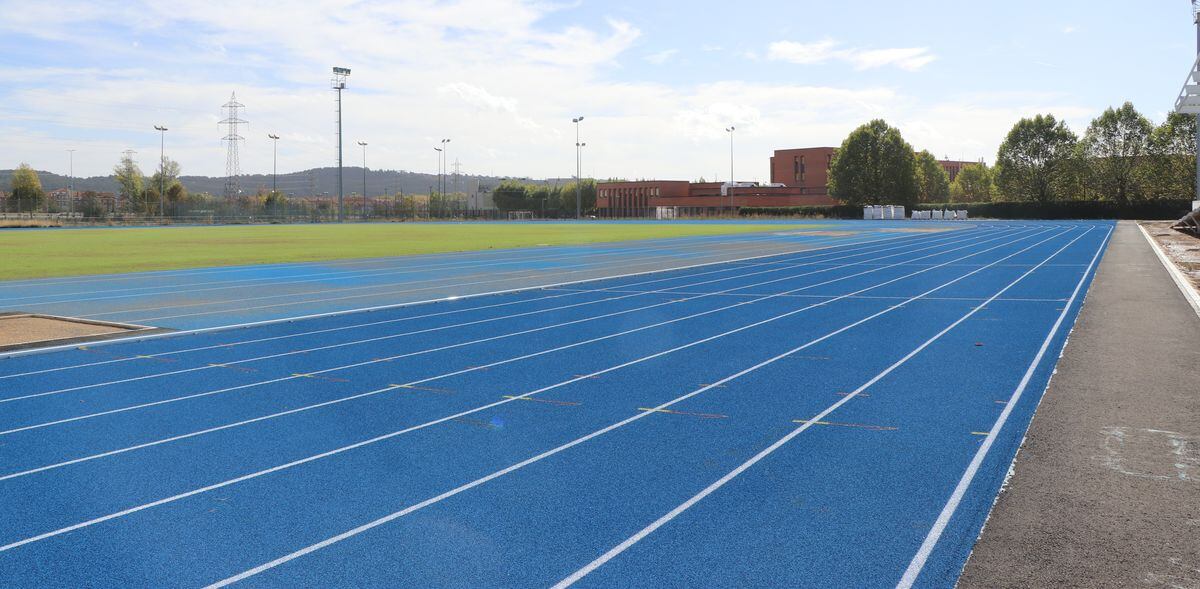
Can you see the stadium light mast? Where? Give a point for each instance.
(578, 169)
(363, 144)
(162, 166)
(730, 129)
(339, 84)
(274, 159)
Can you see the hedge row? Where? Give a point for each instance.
(1167, 209)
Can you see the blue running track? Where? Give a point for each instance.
(213, 297)
(832, 417)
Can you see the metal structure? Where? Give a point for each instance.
(730, 129)
(439, 171)
(578, 169)
(364, 207)
(339, 83)
(233, 165)
(1188, 101)
(442, 167)
(274, 159)
(162, 166)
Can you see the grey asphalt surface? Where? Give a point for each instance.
(1106, 488)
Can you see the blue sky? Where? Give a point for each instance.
(657, 82)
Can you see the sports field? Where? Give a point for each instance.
(42, 253)
(842, 415)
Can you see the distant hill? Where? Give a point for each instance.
(308, 182)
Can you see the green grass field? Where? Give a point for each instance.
(70, 252)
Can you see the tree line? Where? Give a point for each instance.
(1121, 157)
(546, 200)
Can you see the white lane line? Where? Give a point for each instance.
(517, 276)
(325, 277)
(383, 390)
(935, 533)
(446, 347)
(391, 306)
(819, 252)
(682, 507)
(640, 415)
(477, 322)
(383, 437)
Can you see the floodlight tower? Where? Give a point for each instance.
(578, 169)
(162, 165)
(339, 84)
(730, 129)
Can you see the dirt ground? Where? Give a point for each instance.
(1183, 249)
(23, 329)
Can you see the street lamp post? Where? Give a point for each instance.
(364, 207)
(274, 159)
(578, 169)
(439, 171)
(730, 130)
(162, 167)
(442, 166)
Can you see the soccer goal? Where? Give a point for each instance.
(520, 215)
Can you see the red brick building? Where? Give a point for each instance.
(693, 199)
(799, 177)
(806, 168)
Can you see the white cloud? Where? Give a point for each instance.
(661, 57)
(906, 58)
(1067, 30)
(910, 59)
(478, 97)
(802, 53)
(493, 75)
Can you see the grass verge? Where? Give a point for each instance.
(72, 252)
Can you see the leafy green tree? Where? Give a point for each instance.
(130, 180)
(146, 202)
(1171, 168)
(26, 194)
(1033, 158)
(176, 192)
(165, 178)
(587, 197)
(1115, 146)
(90, 205)
(933, 183)
(511, 195)
(972, 184)
(874, 165)
(275, 203)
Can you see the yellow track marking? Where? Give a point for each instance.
(862, 425)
